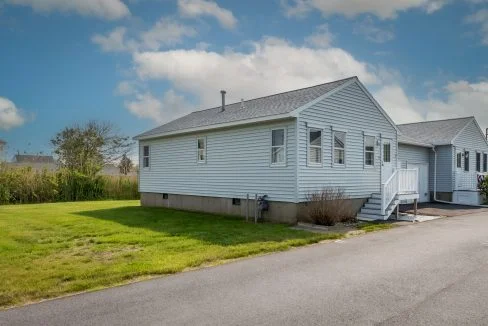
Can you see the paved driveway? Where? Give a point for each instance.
(433, 273)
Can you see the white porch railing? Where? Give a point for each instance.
(402, 181)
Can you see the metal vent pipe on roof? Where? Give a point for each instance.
(223, 100)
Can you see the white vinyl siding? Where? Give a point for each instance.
(349, 110)
(445, 168)
(237, 163)
(412, 154)
(278, 147)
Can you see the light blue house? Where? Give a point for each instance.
(284, 146)
(451, 156)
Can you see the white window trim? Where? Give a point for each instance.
(367, 166)
(334, 164)
(313, 164)
(285, 146)
(461, 156)
(205, 150)
(148, 157)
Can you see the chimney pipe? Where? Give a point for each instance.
(223, 100)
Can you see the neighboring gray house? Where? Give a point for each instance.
(285, 146)
(450, 155)
(35, 161)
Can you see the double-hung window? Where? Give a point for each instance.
(459, 160)
(339, 147)
(485, 162)
(478, 162)
(466, 161)
(369, 150)
(314, 146)
(387, 152)
(278, 147)
(202, 150)
(145, 156)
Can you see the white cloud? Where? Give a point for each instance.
(384, 9)
(165, 32)
(321, 38)
(274, 65)
(196, 8)
(113, 41)
(480, 18)
(107, 9)
(147, 106)
(373, 33)
(10, 115)
(126, 88)
(461, 98)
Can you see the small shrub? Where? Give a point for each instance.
(482, 186)
(329, 206)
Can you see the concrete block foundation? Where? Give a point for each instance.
(280, 212)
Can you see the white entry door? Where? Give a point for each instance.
(423, 180)
(387, 167)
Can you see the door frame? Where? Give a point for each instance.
(382, 162)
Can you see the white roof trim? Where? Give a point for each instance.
(217, 126)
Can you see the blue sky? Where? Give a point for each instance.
(140, 63)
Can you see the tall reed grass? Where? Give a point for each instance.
(26, 185)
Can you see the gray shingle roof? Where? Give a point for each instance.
(440, 132)
(267, 106)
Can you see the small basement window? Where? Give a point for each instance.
(236, 201)
(466, 161)
(459, 160)
(478, 162)
(165, 196)
(145, 156)
(202, 150)
(369, 150)
(339, 147)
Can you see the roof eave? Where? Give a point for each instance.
(216, 126)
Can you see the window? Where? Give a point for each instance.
(236, 201)
(459, 160)
(278, 146)
(478, 162)
(145, 156)
(387, 152)
(165, 196)
(202, 150)
(466, 161)
(339, 147)
(369, 150)
(315, 146)
(485, 162)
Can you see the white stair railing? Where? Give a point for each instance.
(402, 181)
(389, 191)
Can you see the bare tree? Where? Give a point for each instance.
(87, 148)
(125, 165)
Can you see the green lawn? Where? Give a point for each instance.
(48, 250)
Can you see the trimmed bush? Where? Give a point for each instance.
(328, 207)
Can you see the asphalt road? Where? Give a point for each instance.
(433, 273)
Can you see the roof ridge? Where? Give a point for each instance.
(414, 123)
(281, 93)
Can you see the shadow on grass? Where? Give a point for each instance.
(213, 229)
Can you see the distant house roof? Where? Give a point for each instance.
(439, 132)
(267, 108)
(27, 158)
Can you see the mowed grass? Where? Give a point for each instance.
(48, 250)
